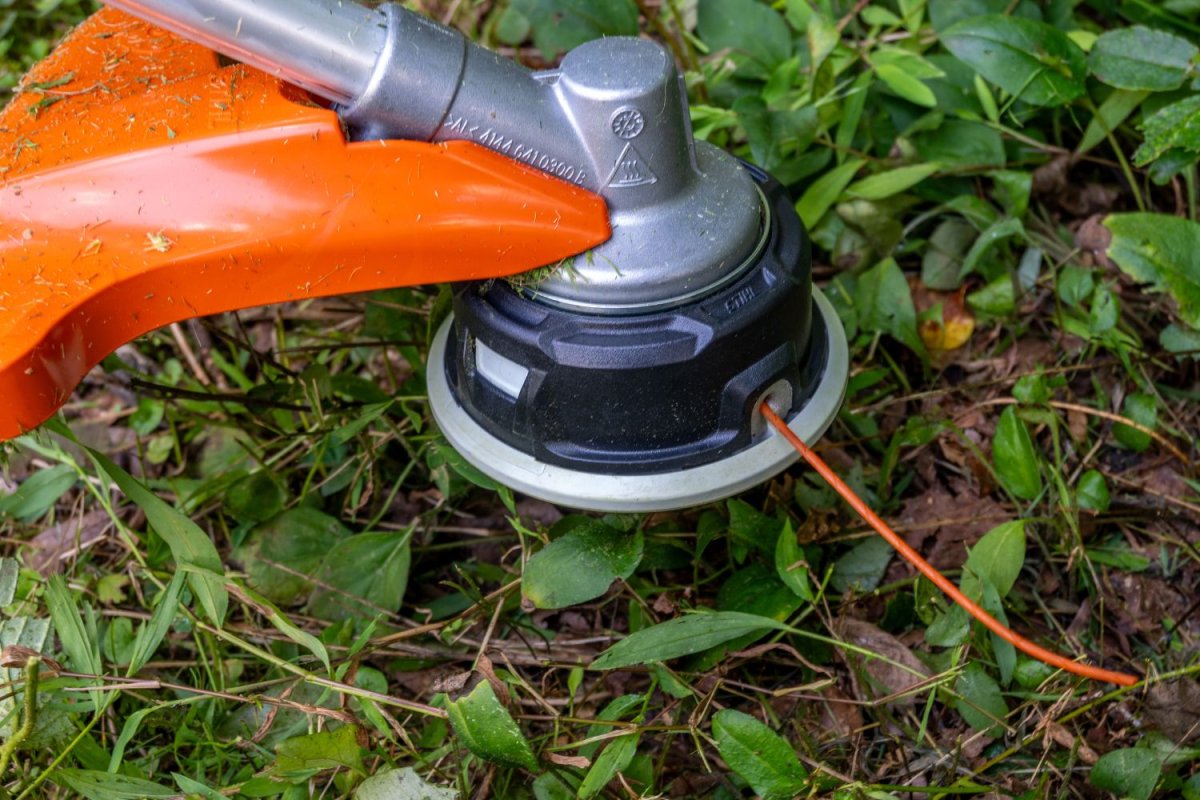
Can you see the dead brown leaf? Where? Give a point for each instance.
(54, 545)
(889, 676)
(1174, 708)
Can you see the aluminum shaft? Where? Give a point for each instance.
(329, 47)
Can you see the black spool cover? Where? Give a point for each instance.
(647, 393)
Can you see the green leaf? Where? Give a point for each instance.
(615, 758)
(820, 196)
(863, 566)
(324, 750)
(289, 629)
(280, 555)
(153, 631)
(884, 303)
(38, 493)
(487, 730)
(991, 236)
(95, 785)
(1112, 112)
(892, 182)
(979, 700)
(1105, 311)
(81, 648)
(1129, 773)
(996, 558)
(1075, 284)
(1142, 409)
(789, 558)
(1163, 251)
(1028, 59)
(1142, 59)
(255, 498)
(905, 85)
(962, 143)
(581, 565)
(1092, 492)
(10, 571)
(362, 576)
(944, 13)
(559, 25)
(191, 547)
(757, 35)
(401, 784)
(759, 755)
(998, 297)
(682, 636)
(1016, 461)
(943, 258)
(1173, 127)
(1178, 339)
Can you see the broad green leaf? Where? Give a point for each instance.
(1142, 409)
(34, 634)
(1178, 339)
(992, 236)
(1075, 284)
(682, 636)
(820, 196)
(255, 498)
(1142, 59)
(1173, 127)
(979, 700)
(996, 558)
(323, 750)
(863, 566)
(95, 785)
(486, 729)
(1105, 310)
(892, 182)
(553, 786)
(998, 297)
(38, 493)
(1017, 463)
(10, 571)
(1030, 60)
(944, 13)
(789, 563)
(617, 709)
(281, 555)
(905, 85)
(884, 303)
(762, 757)
(362, 576)
(1092, 492)
(559, 25)
(1112, 112)
(581, 565)
(191, 547)
(755, 33)
(613, 759)
(942, 262)
(962, 143)
(1163, 251)
(401, 784)
(1129, 773)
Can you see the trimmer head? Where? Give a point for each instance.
(650, 411)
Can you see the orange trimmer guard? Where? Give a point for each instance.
(144, 183)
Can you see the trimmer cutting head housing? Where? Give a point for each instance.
(626, 377)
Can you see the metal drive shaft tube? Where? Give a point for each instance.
(328, 47)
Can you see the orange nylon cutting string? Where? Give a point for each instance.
(927, 569)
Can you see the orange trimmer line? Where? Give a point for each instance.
(925, 568)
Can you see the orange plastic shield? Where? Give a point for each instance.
(143, 183)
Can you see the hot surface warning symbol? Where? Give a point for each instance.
(630, 170)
